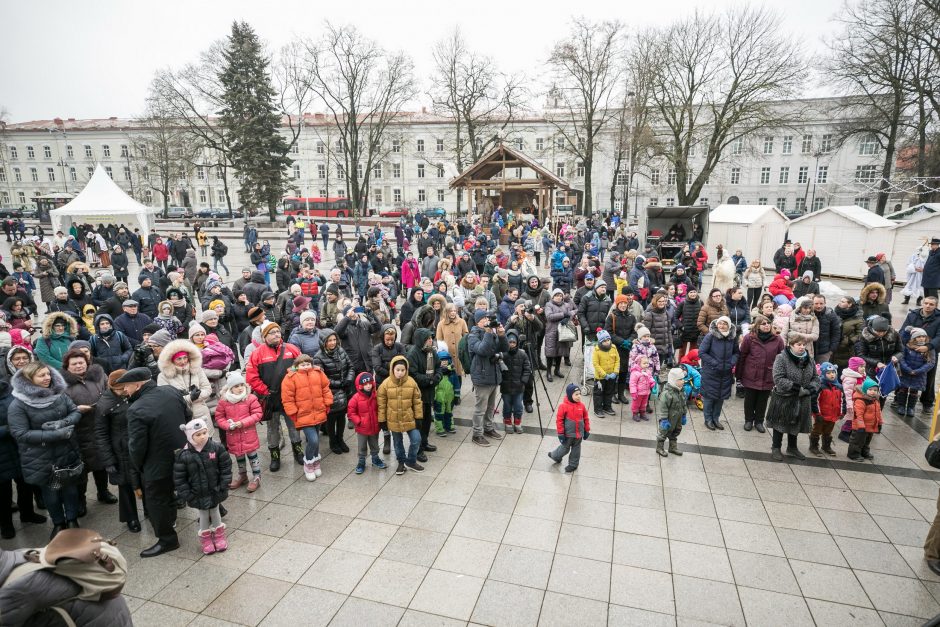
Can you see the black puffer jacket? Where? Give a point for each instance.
(357, 339)
(113, 349)
(520, 370)
(255, 287)
(202, 477)
(830, 332)
(153, 429)
(622, 327)
(688, 318)
(87, 390)
(382, 355)
(111, 438)
(592, 311)
(338, 369)
(875, 350)
(9, 455)
(418, 362)
(39, 448)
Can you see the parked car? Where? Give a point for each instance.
(434, 212)
(177, 213)
(398, 212)
(11, 212)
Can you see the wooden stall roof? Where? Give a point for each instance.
(502, 156)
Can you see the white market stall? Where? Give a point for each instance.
(917, 211)
(757, 230)
(103, 202)
(910, 235)
(843, 237)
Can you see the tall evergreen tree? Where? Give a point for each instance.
(258, 150)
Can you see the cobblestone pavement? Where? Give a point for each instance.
(501, 536)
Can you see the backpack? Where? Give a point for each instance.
(83, 556)
(223, 249)
(463, 354)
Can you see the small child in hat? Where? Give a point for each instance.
(363, 410)
(917, 360)
(828, 409)
(671, 412)
(202, 472)
(573, 425)
(606, 362)
(852, 377)
(867, 422)
(641, 386)
(236, 415)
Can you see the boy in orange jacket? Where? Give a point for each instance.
(363, 411)
(573, 425)
(867, 421)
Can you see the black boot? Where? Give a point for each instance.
(275, 459)
(386, 443)
(906, 300)
(622, 393)
(298, 450)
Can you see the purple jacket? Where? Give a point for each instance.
(756, 361)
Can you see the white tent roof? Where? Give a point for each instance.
(741, 214)
(926, 208)
(859, 215)
(100, 202)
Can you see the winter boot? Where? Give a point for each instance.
(386, 443)
(907, 299)
(827, 445)
(361, 466)
(615, 399)
(558, 370)
(238, 481)
(275, 459)
(298, 449)
(814, 445)
(507, 427)
(316, 465)
(208, 546)
(622, 394)
(776, 454)
(254, 484)
(795, 453)
(219, 539)
(439, 428)
(378, 463)
(660, 449)
(674, 447)
(517, 426)
(310, 472)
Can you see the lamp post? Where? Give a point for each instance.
(817, 155)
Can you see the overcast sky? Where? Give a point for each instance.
(96, 59)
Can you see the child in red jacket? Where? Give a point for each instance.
(828, 409)
(867, 421)
(573, 426)
(236, 415)
(363, 411)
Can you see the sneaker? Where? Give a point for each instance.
(452, 429)
(416, 467)
(570, 468)
(479, 440)
(493, 435)
(401, 468)
(610, 411)
(378, 463)
(421, 457)
(361, 467)
(507, 427)
(517, 428)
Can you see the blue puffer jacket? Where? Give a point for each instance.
(719, 356)
(914, 367)
(738, 312)
(114, 350)
(563, 278)
(307, 341)
(506, 309)
(482, 346)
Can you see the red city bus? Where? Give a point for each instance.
(319, 207)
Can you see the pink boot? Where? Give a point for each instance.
(208, 547)
(218, 537)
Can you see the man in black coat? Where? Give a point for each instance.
(928, 319)
(931, 278)
(875, 273)
(153, 435)
(830, 330)
(593, 310)
(424, 366)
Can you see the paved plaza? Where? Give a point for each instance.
(502, 536)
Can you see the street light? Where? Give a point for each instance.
(817, 155)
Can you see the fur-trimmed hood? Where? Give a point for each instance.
(165, 361)
(13, 350)
(95, 374)
(35, 396)
(75, 265)
(70, 322)
(438, 298)
(873, 287)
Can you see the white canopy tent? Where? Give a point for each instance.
(102, 202)
(757, 230)
(843, 237)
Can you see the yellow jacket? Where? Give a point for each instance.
(605, 362)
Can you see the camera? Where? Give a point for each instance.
(494, 323)
(498, 359)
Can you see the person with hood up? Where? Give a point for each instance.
(307, 401)
(356, 329)
(42, 419)
(337, 367)
(108, 345)
(79, 292)
(806, 286)
(872, 302)
(382, 355)
(166, 319)
(867, 420)
(202, 473)
(255, 287)
(399, 407)
(795, 385)
(515, 379)
(12, 472)
(112, 442)
(573, 424)
(758, 350)
(718, 352)
(424, 366)
(558, 310)
(181, 367)
(723, 271)
(58, 331)
(364, 413)
(563, 276)
(828, 409)
(592, 311)
(915, 273)
(671, 413)
(410, 271)
(639, 279)
(414, 302)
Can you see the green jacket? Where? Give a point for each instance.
(671, 404)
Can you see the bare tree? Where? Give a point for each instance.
(479, 100)
(715, 78)
(587, 67)
(364, 88)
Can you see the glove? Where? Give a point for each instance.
(684, 419)
(53, 425)
(67, 431)
(625, 344)
(587, 434)
(611, 376)
(195, 394)
(566, 320)
(804, 392)
(664, 424)
(562, 439)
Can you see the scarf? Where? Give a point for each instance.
(764, 336)
(845, 314)
(236, 398)
(799, 360)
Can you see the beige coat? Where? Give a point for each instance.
(182, 380)
(450, 333)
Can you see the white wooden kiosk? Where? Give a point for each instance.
(844, 237)
(757, 230)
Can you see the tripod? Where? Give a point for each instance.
(536, 373)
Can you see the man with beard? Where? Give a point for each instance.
(153, 428)
(830, 330)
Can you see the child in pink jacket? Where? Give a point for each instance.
(852, 377)
(641, 386)
(237, 414)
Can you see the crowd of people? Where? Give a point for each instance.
(153, 392)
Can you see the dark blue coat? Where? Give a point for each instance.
(563, 279)
(931, 324)
(931, 278)
(876, 275)
(482, 346)
(9, 455)
(115, 350)
(719, 355)
(914, 366)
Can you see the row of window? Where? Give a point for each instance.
(799, 204)
(69, 152)
(867, 145)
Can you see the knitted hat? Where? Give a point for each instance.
(479, 315)
(869, 384)
(724, 319)
(78, 344)
(160, 338)
(856, 362)
(6, 340)
(212, 283)
(513, 336)
(60, 290)
(268, 327)
(193, 426)
(917, 332)
(151, 328)
(214, 303)
(194, 328)
(233, 379)
(570, 390)
(620, 298)
(557, 291)
(603, 336)
(208, 314)
(641, 332)
(676, 377)
(119, 285)
(879, 323)
(825, 367)
(307, 315)
(255, 313)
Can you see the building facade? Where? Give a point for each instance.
(797, 168)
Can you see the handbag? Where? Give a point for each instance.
(933, 454)
(567, 333)
(63, 476)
